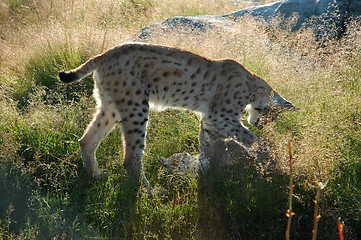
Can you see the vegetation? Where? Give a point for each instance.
(44, 193)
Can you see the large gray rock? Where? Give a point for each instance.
(191, 23)
(325, 16)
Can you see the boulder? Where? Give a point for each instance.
(323, 15)
(191, 23)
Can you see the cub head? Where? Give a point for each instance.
(266, 105)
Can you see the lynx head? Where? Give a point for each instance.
(267, 104)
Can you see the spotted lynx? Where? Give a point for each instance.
(131, 78)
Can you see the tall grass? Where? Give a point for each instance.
(45, 193)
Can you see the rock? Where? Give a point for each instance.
(326, 15)
(182, 162)
(192, 23)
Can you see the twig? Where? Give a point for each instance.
(316, 215)
(289, 212)
(340, 229)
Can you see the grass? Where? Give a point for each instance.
(45, 193)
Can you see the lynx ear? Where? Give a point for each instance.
(260, 90)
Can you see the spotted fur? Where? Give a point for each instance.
(131, 78)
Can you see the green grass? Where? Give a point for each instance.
(40, 73)
(45, 194)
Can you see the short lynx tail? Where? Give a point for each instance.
(80, 72)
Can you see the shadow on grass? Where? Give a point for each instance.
(238, 202)
(15, 192)
(106, 203)
(88, 209)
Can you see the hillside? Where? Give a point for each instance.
(45, 194)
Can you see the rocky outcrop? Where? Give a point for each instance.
(319, 14)
(323, 15)
(192, 23)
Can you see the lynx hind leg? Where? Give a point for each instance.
(102, 123)
(134, 126)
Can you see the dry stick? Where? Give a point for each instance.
(289, 212)
(340, 230)
(316, 215)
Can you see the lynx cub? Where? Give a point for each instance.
(131, 78)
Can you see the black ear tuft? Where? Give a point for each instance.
(68, 77)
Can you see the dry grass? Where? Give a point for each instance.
(29, 25)
(40, 122)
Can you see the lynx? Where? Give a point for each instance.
(131, 78)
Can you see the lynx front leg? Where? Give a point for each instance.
(97, 130)
(231, 127)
